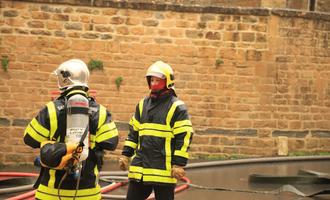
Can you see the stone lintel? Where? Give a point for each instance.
(228, 132)
(21, 122)
(290, 134)
(4, 121)
(320, 134)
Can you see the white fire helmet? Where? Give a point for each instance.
(161, 70)
(72, 73)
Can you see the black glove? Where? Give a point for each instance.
(98, 157)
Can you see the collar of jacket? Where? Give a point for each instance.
(161, 95)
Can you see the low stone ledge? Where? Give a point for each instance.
(301, 14)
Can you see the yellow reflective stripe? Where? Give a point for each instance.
(107, 135)
(156, 133)
(30, 131)
(135, 175)
(102, 116)
(52, 119)
(141, 107)
(181, 154)
(182, 126)
(39, 128)
(45, 192)
(151, 175)
(130, 144)
(96, 172)
(135, 123)
(178, 124)
(171, 111)
(183, 151)
(135, 169)
(159, 127)
(51, 182)
(182, 130)
(168, 153)
(77, 92)
(106, 127)
(148, 171)
(186, 142)
(159, 179)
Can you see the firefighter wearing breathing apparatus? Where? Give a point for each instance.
(72, 133)
(160, 133)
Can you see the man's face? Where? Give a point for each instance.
(157, 83)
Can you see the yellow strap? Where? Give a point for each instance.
(52, 118)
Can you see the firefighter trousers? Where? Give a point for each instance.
(141, 191)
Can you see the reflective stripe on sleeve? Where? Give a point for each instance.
(171, 111)
(130, 144)
(107, 131)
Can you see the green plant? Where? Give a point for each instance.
(5, 63)
(302, 153)
(95, 65)
(218, 62)
(118, 81)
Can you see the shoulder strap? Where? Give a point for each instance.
(52, 120)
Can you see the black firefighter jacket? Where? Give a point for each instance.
(159, 137)
(50, 125)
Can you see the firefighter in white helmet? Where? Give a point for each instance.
(65, 172)
(160, 133)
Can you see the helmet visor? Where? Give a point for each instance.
(156, 74)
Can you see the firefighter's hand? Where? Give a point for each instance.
(55, 154)
(124, 162)
(178, 172)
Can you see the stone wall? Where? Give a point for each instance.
(247, 75)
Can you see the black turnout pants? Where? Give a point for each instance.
(141, 191)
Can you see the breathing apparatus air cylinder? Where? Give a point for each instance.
(77, 119)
